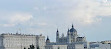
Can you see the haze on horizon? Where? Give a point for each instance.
(91, 18)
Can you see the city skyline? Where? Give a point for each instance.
(90, 18)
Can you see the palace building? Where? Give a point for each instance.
(21, 41)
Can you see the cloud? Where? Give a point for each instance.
(79, 11)
(34, 23)
(36, 8)
(42, 24)
(7, 25)
(88, 11)
(20, 17)
(12, 19)
(35, 30)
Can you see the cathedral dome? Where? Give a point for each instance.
(72, 29)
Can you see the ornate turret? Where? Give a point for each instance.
(68, 36)
(57, 33)
(72, 26)
(68, 32)
(47, 40)
(57, 36)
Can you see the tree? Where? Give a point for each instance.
(58, 47)
(38, 47)
(24, 48)
(28, 48)
(32, 46)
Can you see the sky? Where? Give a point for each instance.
(91, 18)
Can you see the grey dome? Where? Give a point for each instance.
(73, 30)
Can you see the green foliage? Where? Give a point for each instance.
(38, 47)
(24, 48)
(28, 48)
(31, 47)
(58, 47)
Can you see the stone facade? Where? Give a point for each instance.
(75, 46)
(19, 41)
(56, 47)
(99, 45)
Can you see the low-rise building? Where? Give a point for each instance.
(99, 46)
(75, 46)
(56, 47)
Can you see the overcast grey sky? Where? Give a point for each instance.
(91, 18)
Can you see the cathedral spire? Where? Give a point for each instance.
(47, 40)
(72, 26)
(57, 30)
(57, 33)
(68, 31)
(57, 36)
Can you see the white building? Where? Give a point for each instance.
(108, 41)
(56, 47)
(19, 41)
(64, 46)
(99, 46)
(75, 46)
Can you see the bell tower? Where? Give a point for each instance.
(68, 36)
(57, 36)
(47, 40)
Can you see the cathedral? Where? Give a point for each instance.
(71, 36)
(70, 41)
